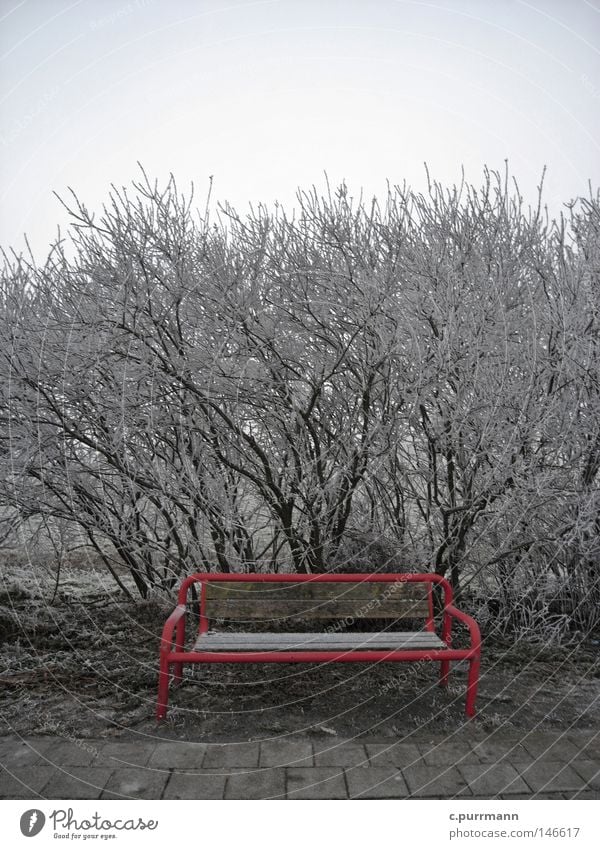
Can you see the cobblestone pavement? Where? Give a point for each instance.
(505, 764)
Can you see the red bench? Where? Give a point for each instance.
(340, 598)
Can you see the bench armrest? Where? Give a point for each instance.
(451, 612)
(186, 584)
(166, 642)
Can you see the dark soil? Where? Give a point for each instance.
(87, 667)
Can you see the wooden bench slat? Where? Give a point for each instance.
(240, 610)
(312, 641)
(363, 590)
(316, 600)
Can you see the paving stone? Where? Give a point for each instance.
(467, 733)
(504, 737)
(583, 794)
(24, 781)
(587, 744)
(125, 754)
(376, 783)
(15, 752)
(257, 784)
(286, 753)
(492, 751)
(77, 782)
(409, 739)
(65, 753)
(174, 754)
(316, 783)
(550, 746)
(229, 755)
(22, 795)
(393, 754)
(449, 753)
(492, 779)
(132, 783)
(342, 754)
(551, 777)
(425, 781)
(207, 784)
(506, 763)
(516, 796)
(590, 770)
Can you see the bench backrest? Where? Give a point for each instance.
(316, 600)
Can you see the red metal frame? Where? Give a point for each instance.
(173, 655)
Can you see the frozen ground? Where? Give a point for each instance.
(85, 665)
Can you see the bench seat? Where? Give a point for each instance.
(313, 641)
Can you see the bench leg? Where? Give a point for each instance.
(472, 682)
(444, 672)
(163, 689)
(179, 641)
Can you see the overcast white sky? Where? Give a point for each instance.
(267, 95)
